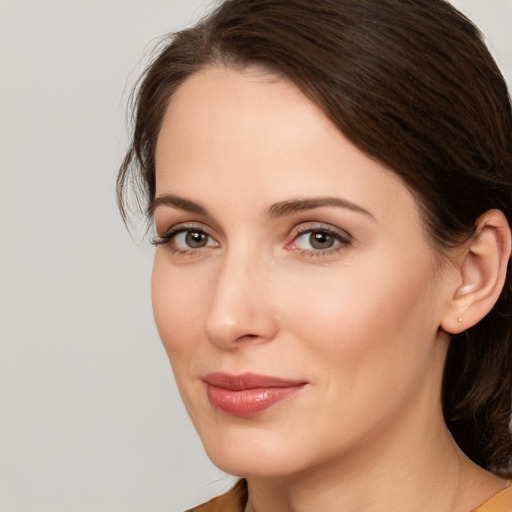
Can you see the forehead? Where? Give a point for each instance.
(229, 136)
(245, 108)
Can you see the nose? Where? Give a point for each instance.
(241, 309)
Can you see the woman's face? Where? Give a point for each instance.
(293, 287)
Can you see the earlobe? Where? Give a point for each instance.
(482, 268)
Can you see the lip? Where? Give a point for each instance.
(249, 393)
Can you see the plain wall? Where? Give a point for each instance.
(90, 419)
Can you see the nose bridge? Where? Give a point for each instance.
(240, 307)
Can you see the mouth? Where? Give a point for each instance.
(249, 393)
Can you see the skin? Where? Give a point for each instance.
(359, 321)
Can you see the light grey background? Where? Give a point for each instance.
(90, 419)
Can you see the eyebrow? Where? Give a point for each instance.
(177, 202)
(280, 209)
(292, 206)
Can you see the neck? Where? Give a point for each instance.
(407, 468)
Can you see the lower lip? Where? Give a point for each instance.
(247, 402)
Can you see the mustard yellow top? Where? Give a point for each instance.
(501, 502)
(236, 498)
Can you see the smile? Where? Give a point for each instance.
(248, 394)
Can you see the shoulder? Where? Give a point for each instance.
(232, 501)
(236, 498)
(501, 502)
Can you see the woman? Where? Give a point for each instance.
(330, 185)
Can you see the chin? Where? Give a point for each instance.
(252, 465)
(255, 454)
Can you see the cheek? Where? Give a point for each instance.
(372, 314)
(365, 343)
(177, 310)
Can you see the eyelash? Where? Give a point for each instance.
(343, 240)
(170, 236)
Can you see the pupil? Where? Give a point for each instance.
(195, 239)
(321, 240)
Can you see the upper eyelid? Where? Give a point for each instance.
(296, 231)
(306, 227)
(165, 224)
(185, 226)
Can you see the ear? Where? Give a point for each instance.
(482, 268)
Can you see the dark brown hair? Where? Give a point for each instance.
(412, 84)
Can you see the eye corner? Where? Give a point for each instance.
(187, 240)
(158, 240)
(314, 239)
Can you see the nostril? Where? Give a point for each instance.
(248, 337)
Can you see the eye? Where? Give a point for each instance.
(320, 240)
(183, 239)
(192, 239)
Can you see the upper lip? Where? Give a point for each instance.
(248, 381)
